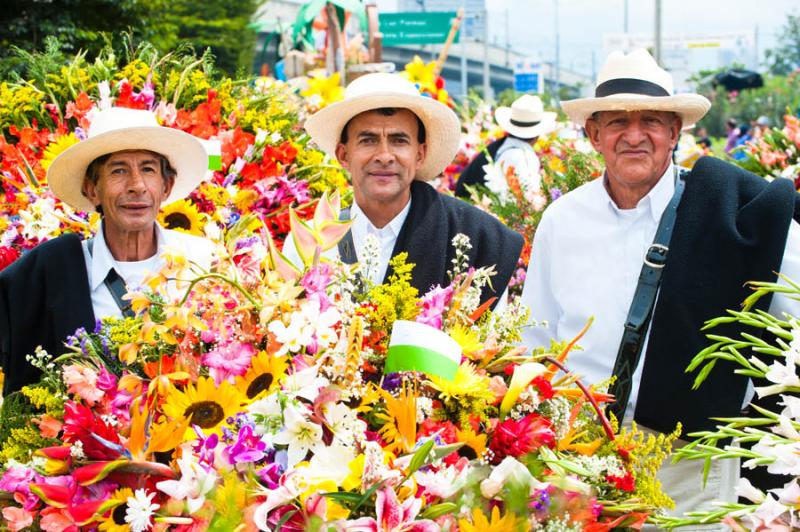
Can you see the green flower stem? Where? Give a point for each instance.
(231, 282)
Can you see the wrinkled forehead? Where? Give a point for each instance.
(399, 118)
(139, 156)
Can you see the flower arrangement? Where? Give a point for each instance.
(776, 153)
(764, 438)
(259, 398)
(260, 161)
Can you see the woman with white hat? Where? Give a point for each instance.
(524, 122)
(127, 167)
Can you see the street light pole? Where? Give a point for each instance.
(558, 55)
(463, 38)
(657, 44)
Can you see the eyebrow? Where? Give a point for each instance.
(374, 134)
(125, 163)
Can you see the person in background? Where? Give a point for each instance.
(733, 134)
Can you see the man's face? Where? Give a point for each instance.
(383, 156)
(637, 146)
(130, 188)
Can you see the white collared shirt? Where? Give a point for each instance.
(361, 228)
(100, 262)
(586, 259)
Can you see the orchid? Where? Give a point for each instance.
(194, 484)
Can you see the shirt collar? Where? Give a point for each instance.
(655, 201)
(391, 229)
(103, 260)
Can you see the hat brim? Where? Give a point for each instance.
(690, 107)
(547, 123)
(184, 152)
(442, 127)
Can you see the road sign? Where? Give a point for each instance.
(430, 27)
(528, 77)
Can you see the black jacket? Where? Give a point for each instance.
(427, 234)
(44, 297)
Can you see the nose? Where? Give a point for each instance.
(383, 152)
(136, 182)
(634, 134)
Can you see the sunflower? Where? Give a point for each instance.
(265, 373)
(55, 148)
(474, 443)
(182, 215)
(494, 523)
(206, 405)
(113, 519)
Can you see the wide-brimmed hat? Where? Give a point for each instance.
(117, 129)
(374, 91)
(526, 118)
(635, 82)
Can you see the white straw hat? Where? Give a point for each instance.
(526, 118)
(635, 82)
(117, 129)
(374, 91)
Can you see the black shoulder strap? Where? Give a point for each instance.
(638, 320)
(347, 248)
(115, 285)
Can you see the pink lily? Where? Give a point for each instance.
(393, 516)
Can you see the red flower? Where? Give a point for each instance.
(429, 427)
(623, 483)
(100, 441)
(517, 438)
(544, 387)
(7, 256)
(234, 144)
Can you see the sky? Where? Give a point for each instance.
(582, 23)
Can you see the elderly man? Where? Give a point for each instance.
(126, 168)
(391, 140)
(593, 244)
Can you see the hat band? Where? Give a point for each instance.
(520, 123)
(629, 86)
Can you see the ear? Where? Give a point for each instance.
(422, 152)
(341, 155)
(675, 130)
(89, 190)
(168, 184)
(593, 133)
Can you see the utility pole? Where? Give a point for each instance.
(625, 27)
(657, 43)
(558, 57)
(463, 37)
(487, 87)
(755, 49)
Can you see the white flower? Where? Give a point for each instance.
(140, 510)
(320, 323)
(792, 405)
(787, 456)
(305, 383)
(292, 337)
(343, 422)
(330, 463)
(509, 470)
(299, 434)
(442, 483)
(496, 180)
(194, 484)
(745, 489)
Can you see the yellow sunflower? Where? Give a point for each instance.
(55, 148)
(206, 405)
(113, 519)
(495, 523)
(474, 443)
(265, 373)
(182, 215)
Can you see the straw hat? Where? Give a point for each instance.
(635, 82)
(526, 118)
(374, 91)
(117, 129)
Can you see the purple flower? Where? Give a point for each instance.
(433, 305)
(17, 479)
(80, 133)
(392, 381)
(204, 447)
(315, 282)
(270, 475)
(555, 193)
(247, 448)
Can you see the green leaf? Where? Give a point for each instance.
(438, 510)
(418, 460)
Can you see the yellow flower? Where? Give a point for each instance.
(473, 441)
(507, 523)
(182, 215)
(54, 149)
(265, 374)
(329, 89)
(423, 74)
(467, 394)
(244, 199)
(113, 519)
(468, 338)
(205, 405)
(399, 430)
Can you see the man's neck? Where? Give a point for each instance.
(131, 246)
(380, 214)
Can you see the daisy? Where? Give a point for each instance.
(140, 510)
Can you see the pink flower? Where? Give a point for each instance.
(229, 360)
(393, 516)
(82, 381)
(57, 520)
(17, 479)
(433, 305)
(17, 518)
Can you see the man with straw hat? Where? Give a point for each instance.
(524, 122)
(608, 248)
(392, 141)
(126, 169)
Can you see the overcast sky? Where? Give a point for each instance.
(582, 23)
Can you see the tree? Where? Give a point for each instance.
(785, 58)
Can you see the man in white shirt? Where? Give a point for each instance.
(126, 169)
(588, 253)
(391, 140)
(524, 122)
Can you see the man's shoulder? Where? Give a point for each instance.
(586, 196)
(49, 253)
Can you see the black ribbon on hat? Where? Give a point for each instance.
(629, 86)
(519, 123)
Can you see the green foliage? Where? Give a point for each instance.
(785, 58)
